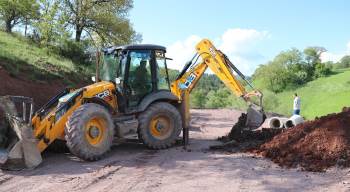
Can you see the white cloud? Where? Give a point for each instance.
(240, 40)
(328, 56)
(335, 57)
(238, 44)
(182, 51)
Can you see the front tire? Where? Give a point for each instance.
(89, 132)
(160, 125)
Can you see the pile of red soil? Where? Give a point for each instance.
(313, 145)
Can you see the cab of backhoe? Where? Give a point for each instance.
(146, 105)
(137, 71)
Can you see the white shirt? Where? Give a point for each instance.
(296, 104)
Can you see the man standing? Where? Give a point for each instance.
(296, 105)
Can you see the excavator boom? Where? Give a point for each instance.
(224, 69)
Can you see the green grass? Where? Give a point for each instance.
(319, 97)
(20, 56)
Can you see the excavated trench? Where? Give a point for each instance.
(313, 146)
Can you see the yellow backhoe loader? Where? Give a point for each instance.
(131, 95)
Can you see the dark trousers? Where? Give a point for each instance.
(296, 112)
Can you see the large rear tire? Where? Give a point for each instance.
(89, 132)
(160, 125)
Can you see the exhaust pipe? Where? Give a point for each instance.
(18, 149)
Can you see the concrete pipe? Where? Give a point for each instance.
(275, 122)
(294, 120)
(283, 121)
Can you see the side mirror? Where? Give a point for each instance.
(117, 81)
(93, 79)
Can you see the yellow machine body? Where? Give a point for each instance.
(49, 128)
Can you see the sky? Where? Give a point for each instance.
(249, 32)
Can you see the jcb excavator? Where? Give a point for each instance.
(131, 95)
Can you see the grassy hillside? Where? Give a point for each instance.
(319, 97)
(21, 57)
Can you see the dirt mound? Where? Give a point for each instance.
(39, 91)
(242, 138)
(313, 145)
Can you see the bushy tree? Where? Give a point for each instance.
(292, 68)
(344, 62)
(283, 71)
(217, 99)
(322, 70)
(108, 19)
(223, 98)
(313, 59)
(14, 12)
(313, 54)
(50, 27)
(198, 98)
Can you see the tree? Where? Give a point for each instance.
(289, 58)
(287, 69)
(313, 54)
(322, 70)
(51, 25)
(14, 12)
(292, 68)
(218, 99)
(345, 62)
(106, 18)
(313, 59)
(198, 98)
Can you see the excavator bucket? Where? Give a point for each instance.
(255, 117)
(18, 147)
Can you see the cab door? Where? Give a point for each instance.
(138, 80)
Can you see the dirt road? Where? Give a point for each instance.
(132, 167)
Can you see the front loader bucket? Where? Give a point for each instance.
(255, 117)
(18, 147)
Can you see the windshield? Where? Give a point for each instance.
(109, 67)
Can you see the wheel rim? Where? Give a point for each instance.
(160, 127)
(95, 130)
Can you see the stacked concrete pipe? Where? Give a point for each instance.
(281, 122)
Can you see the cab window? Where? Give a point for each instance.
(162, 74)
(140, 79)
(109, 67)
(122, 65)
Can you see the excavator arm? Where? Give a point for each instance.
(225, 71)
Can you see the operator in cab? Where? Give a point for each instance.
(141, 83)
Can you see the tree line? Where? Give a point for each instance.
(293, 68)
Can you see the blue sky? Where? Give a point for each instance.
(249, 32)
